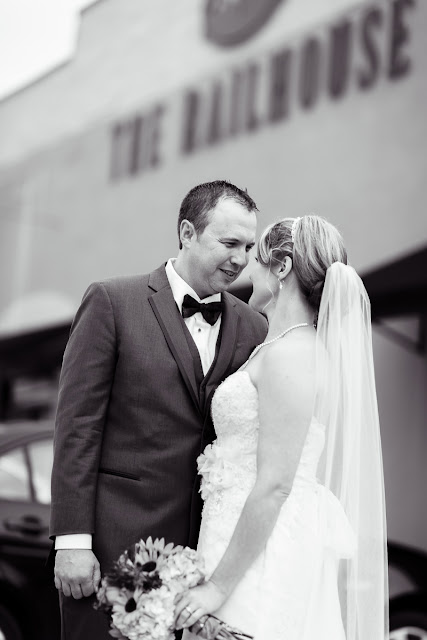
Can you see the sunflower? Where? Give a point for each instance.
(150, 556)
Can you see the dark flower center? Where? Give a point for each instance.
(149, 566)
(130, 605)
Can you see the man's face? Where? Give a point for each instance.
(218, 255)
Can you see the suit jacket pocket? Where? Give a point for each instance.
(120, 474)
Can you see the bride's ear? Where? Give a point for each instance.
(285, 269)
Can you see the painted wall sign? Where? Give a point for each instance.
(351, 54)
(231, 22)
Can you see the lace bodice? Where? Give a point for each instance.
(231, 459)
(235, 410)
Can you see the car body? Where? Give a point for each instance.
(28, 598)
(408, 592)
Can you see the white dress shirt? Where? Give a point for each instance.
(204, 335)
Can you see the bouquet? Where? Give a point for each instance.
(139, 593)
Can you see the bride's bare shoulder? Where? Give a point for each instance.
(286, 378)
(296, 348)
(289, 364)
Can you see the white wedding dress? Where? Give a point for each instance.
(290, 591)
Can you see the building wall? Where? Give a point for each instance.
(80, 201)
(357, 158)
(401, 378)
(129, 53)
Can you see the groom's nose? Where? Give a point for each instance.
(240, 257)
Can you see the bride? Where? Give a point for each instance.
(293, 529)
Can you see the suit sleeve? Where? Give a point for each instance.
(84, 391)
(261, 327)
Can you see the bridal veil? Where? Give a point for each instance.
(351, 463)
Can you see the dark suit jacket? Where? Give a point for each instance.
(130, 420)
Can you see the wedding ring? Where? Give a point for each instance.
(189, 610)
(197, 627)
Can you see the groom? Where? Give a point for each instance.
(144, 358)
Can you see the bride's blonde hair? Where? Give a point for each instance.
(315, 245)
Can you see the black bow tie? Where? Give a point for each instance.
(209, 310)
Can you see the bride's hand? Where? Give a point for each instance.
(197, 602)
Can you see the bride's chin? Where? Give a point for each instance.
(255, 306)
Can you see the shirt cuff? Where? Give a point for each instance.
(74, 541)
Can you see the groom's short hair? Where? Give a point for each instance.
(199, 202)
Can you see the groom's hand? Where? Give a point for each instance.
(77, 572)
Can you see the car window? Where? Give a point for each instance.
(41, 459)
(14, 477)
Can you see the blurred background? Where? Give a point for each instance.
(110, 111)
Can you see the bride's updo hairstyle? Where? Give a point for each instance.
(316, 245)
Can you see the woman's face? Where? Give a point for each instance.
(265, 287)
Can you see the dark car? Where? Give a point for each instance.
(28, 599)
(408, 593)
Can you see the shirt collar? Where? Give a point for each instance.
(180, 288)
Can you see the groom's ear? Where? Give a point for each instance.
(186, 232)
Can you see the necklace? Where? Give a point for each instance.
(264, 344)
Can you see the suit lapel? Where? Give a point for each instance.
(229, 332)
(166, 312)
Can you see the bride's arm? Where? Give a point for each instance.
(285, 389)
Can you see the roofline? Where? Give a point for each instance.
(90, 6)
(36, 80)
(44, 75)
